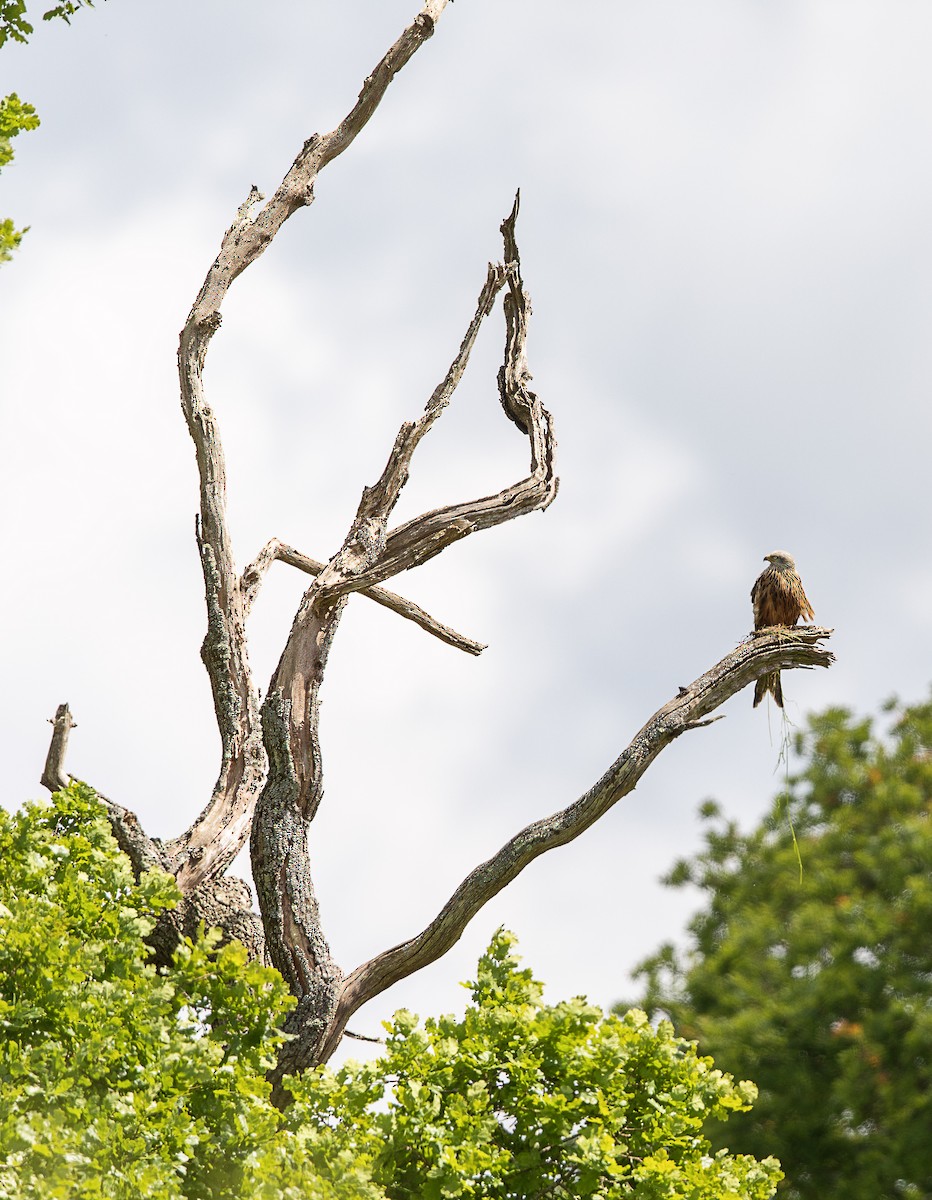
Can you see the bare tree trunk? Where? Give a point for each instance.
(271, 776)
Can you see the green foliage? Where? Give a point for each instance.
(15, 115)
(66, 11)
(15, 25)
(521, 1099)
(119, 1081)
(116, 1081)
(10, 238)
(821, 988)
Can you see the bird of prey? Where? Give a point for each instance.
(778, 599)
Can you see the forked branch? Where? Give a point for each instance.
(370, 556)
(290, 799)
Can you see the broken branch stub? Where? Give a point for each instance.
(276, 551)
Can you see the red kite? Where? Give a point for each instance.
(778, 599)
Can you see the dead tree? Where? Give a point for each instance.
(270, 780)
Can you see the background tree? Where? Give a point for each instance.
(120, 1080)
(116, 1080)
(270, 781)
(819, 984)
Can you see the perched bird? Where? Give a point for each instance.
(778, 599)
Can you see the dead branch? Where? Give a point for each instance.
(378, 501)
(203, 852)
(290, 712)
(224, 903)
(276, 551)
(778, 649)
(142, 851)
(369, 555)
(271, 777)
(53, 775)
(210, 844)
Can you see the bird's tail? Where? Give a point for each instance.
(769, 683)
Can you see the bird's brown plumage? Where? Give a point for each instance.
(778, 599)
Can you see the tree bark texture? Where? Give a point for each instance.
(270, 783)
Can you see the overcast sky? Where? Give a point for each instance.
(725, 232)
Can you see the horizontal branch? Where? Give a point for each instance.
(769, 651)
(276, 551)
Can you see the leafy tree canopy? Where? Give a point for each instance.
(120, 1081)
(521, 1099)
(820, 987)
(115, 1080)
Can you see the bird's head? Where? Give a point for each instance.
(781, 560)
